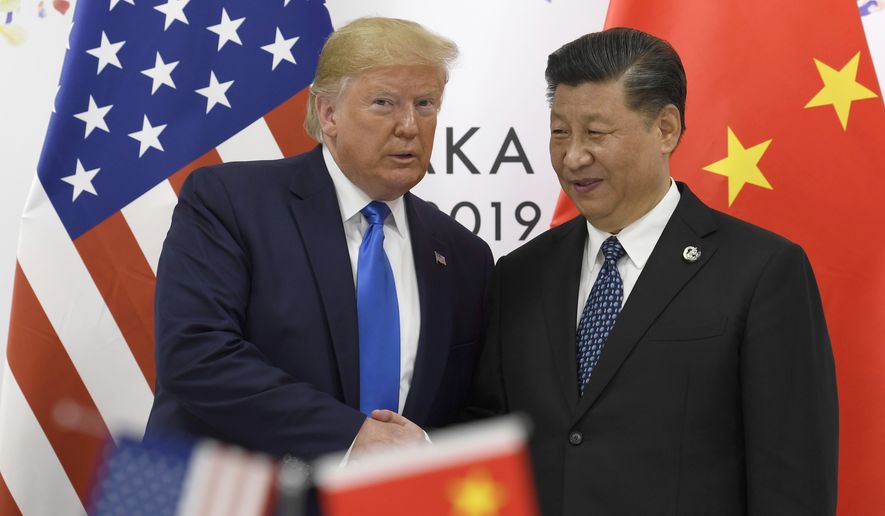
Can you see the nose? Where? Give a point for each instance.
(406, 124)
(577, 156)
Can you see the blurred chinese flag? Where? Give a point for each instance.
(475, 470)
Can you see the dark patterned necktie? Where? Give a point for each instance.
(600, 312)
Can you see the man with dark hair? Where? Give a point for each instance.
(674, 360)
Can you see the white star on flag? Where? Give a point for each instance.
(115, 2)
(106, 53)
(94, 117)
(161, 73)
(215, 93)
(174, 11)
(281, 49)
(148, 137)
(82, 180)
(227, 29)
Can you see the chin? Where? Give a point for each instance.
(394, 189)
(406, 179)
(581, 203)
(589, 212)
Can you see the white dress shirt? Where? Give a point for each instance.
(638, 240)
(398, 247)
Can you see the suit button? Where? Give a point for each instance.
(575, 438)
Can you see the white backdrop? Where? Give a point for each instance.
(496, 85)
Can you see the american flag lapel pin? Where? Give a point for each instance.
(440, 259)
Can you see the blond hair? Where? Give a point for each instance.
(369, 43)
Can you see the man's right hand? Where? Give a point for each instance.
(384, 429)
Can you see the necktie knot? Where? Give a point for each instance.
(375, 212)
(612, 249)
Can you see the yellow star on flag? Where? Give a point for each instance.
(741, 166)
(840, 89)
(477, 494)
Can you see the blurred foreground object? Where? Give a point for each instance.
(177, 477)
(481, 469)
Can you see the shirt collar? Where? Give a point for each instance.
(351, 199)
(639, 238)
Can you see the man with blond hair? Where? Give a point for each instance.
(297, 298)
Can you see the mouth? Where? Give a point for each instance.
(404, 157)
(585, 185)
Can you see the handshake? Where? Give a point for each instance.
(384, 429)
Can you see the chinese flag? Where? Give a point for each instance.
(476, 470)
(786, 129)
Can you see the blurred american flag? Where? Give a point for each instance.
(176, 477)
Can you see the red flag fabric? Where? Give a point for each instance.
(785, 124)
(476, 470)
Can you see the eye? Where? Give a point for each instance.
(382, 102)
(426, 104)
(558, 133)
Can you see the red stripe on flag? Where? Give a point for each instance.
(126, 282)
(285, 123)
(177, 179)
(8, 506)
(270, 494)
(59, 399)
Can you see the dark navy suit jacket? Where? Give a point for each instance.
(256, 320)
(715, 393)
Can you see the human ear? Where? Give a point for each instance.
(326, 114)
(669, 126)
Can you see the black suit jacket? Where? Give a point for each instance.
(715, 393)
(256, 320)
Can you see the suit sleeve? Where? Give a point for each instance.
(488, 397)
(203, 359)
(789, 393)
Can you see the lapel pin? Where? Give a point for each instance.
(691, 254)
(440, 259)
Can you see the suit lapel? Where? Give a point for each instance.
(664, 275)
(560, 280)
(315, 209)
(435, 300)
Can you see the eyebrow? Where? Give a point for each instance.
(586, 117)
(380, 92)
(389, 93)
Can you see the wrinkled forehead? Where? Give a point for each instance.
(426, 79)
(588, 100)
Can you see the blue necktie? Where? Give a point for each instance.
(378, 314)
(600, 312)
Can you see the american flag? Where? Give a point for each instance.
(149, 91)
(174, 477)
